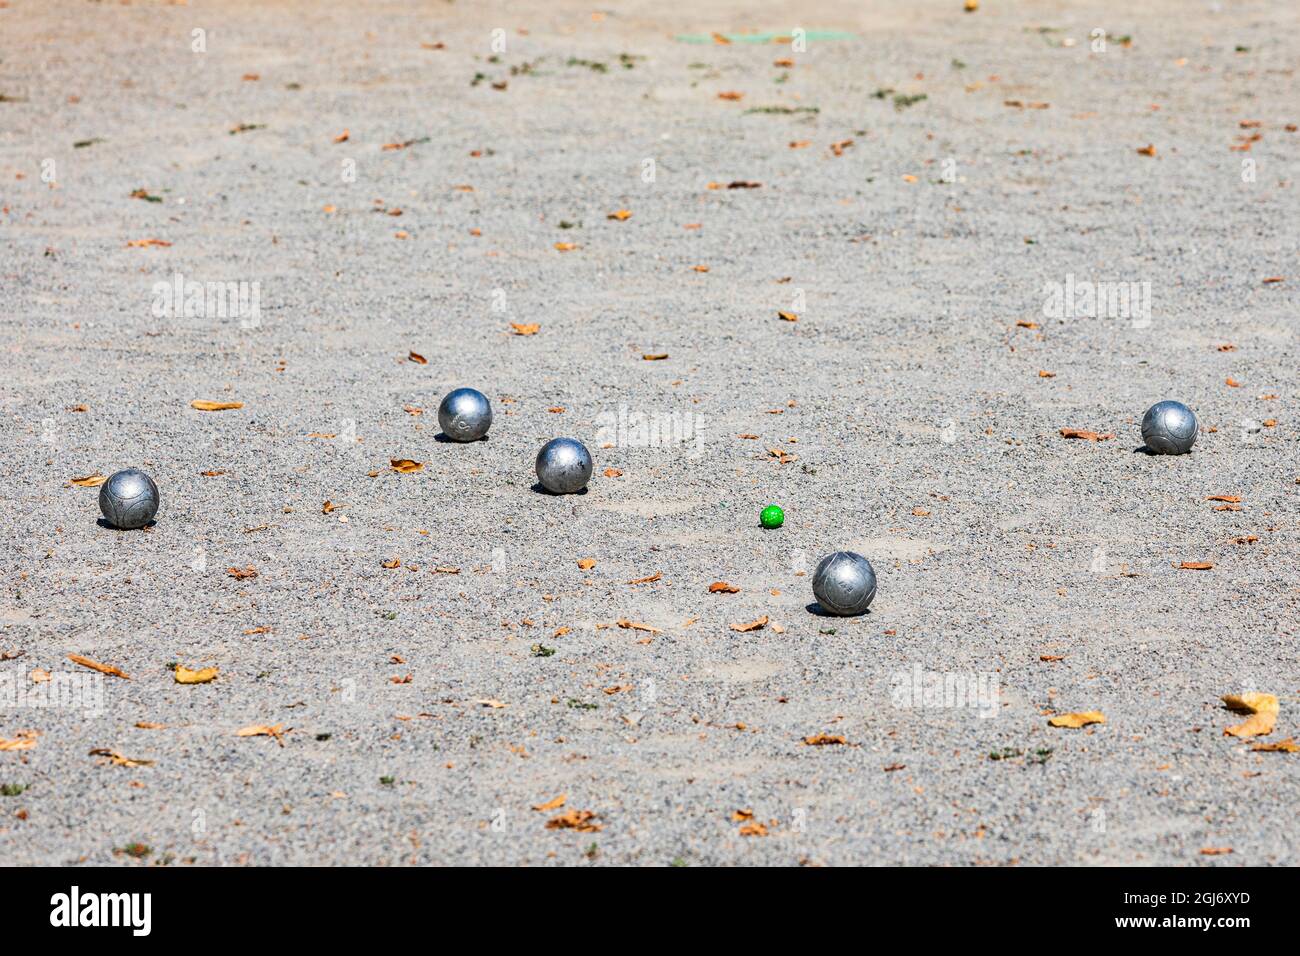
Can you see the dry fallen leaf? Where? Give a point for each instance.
(751, 626)
(622, 215)
(824, 740)
(1215, 850)
(787, 316)
(658, 575)
(203, 405)
(1147, 150)
(554, 804)
(265, 730)
(612, 473)
(239, 574)
(722, 587)
(753, 828)
(25, 740)
(580, 820)
(636, 626)
(1078, 720)
(1194, 566)
(1084, 435)
(146, 243)
(1288, 746)
(490, 702)
(108, 669)
(90, 481)
(1262, 708)
(184, 675)
(1231, 498)
(521, 328)
(417, 358)
(586, 564)
(405, 465)
(565, 246)
(731, 95)
(117, 760)
(654, 356)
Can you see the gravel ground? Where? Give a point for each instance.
(914, 407)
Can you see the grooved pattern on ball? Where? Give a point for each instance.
(129, 499)
(1169, 428)
(844, 583)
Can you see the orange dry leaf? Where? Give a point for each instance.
(1262, 708)
(800, 143)
(586, 564)
(1147, 150)
(580, 820)
(25, 740)
(417, 358)
(1025, 324)
(824, 740)
(203, 405)
(622, 215)
(90, 481)
(753, 828)
(1232, 498)
(565, 246)
(108, 669)
(1085, 435)
(722, 587)
(554, 804)
(405, 465)
(1287, 746)
(1078, 720)
(636, 626)
(1195, 566)
(650, 580)
(1215, 850)
(654, 356)
(391, 564)
(145, 243)
(751, 626)
(787, 316)
(530, 328)
(731, 95)
(264, 730)
(239, 574)
(342, 137)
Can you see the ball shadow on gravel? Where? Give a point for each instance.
(817, 610)
(444, 439)
(105, 523)
(542, 490)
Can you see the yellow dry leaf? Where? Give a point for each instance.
(554, 804)
(525, 328)
(565, 246)
(636, 626)
(490, 702)
(184, 675)
(622, 215)
(1287, 746)
(1262, 708)
(751, 626)
(1078, 719)
(787, 316)
(405, 465)
(265, 730)
(90, 481)
(25, 740)
(824, 740)
(203, 405)
(586, 564)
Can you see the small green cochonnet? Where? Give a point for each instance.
(772, 517)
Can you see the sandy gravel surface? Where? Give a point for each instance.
(913, 413)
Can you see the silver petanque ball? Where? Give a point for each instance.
(465, 415)
(1169, 428)
(563, 466)
(844, 583)
(129, 499)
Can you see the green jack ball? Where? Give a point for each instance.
(772, 517)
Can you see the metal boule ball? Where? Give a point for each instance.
(129, 499)
(465, 415)
(563, 466)
(1169, 428)
(844, 583)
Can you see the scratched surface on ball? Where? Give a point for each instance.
(1169, 428)
(465, 415)
(564, 466)
(844, 583)
(129, 499)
